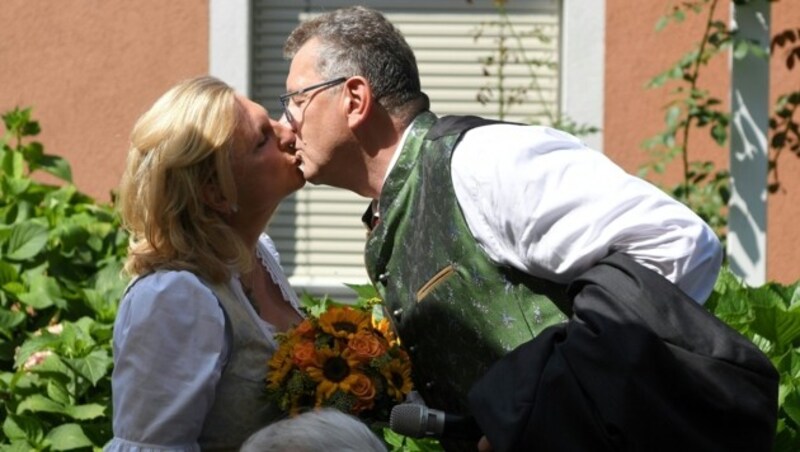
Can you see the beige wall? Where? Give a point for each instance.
(90, 67)
(783, 252)
(635, 53)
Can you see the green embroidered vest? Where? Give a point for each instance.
(240, 407)
(455, 311)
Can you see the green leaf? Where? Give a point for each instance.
(109, 279)
(9, 320)
(365, 291)
(791, 405)
(740, 50)
(789, 294)
(15, 187)
(13, 165)
(56, 166)
(314, 306)
(719, 133)
(85, 412)
(14, 287)
(67, 437)
(673, 116)
(733, 309)
(18, 427)
(772, 320)
(44, 292)
(38, 403)
(93, 367)
(27, 240)
(58, 392)
(32, 152)
(18, 121)
(8, 273)
(662, 22)
(407, 444)
(17, 446)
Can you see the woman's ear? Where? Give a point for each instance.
(357, 100)
(213, 198)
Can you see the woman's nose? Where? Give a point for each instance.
(285, 134)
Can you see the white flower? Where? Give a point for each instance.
(35, 359)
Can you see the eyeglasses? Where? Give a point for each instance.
(285, 98)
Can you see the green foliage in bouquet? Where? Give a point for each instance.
(769, 316)
(59, 284)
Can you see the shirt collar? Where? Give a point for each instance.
(397, 151)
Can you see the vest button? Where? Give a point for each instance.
(430, 384)
(383, 277)
(397, 312)
(412, 348)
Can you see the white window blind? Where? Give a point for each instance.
(318, 230)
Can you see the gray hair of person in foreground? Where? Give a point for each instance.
(321, 430)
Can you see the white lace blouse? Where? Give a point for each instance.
(169, 351)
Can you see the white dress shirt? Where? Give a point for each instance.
(540, 201)
(170, 348)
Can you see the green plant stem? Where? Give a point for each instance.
(534, 78)
(503, 53)
(695, 74)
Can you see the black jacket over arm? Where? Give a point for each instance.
(639, 367)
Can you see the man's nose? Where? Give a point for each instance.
(284, 120)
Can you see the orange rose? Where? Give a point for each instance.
(362, 387)
(305, 329)
(366, 345)
(304, 354)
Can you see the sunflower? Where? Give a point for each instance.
(344, 322)
(280, 364)
(336, 371)
(398, 377)
(385, 329)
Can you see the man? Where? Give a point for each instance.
(477, 227)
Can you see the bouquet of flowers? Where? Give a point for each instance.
(342, 356)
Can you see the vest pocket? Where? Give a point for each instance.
(440, 277)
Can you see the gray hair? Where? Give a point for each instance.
(320, 430)
(361, 41)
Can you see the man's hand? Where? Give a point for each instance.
(483, 445)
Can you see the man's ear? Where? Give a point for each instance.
(213, 198)
(357, 100)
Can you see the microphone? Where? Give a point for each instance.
(419, 421)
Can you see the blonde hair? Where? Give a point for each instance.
(179, 147)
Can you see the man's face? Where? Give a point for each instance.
(316, 115)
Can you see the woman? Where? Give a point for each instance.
(205, 172)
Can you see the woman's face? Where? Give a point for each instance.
(264, 170)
